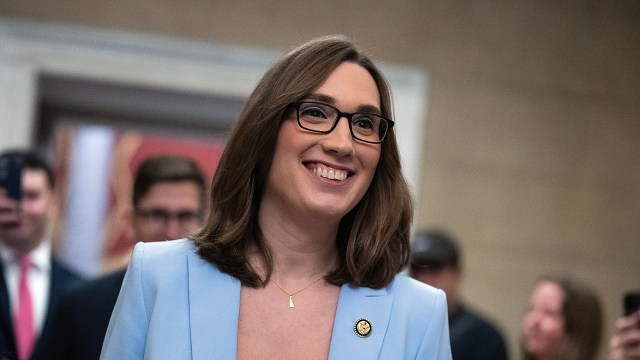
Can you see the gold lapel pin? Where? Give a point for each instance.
(362, 328)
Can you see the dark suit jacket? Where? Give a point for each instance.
(474, 337)
(61, 279)
(82, 319)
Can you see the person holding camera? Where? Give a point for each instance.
(625, 343)
(31, 280)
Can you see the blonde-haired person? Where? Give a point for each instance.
(308, 230)
(564, 321)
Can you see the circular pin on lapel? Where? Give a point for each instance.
(362, 328)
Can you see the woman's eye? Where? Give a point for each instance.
(363, 122)
(314, 112)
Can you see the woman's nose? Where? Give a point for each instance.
(340, 140)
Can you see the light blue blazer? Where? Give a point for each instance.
(174, 305)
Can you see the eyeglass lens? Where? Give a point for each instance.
(161, 215)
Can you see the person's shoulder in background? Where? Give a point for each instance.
(474, 336)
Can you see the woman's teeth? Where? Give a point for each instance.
(333, 174)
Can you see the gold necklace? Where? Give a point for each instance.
(293, 293)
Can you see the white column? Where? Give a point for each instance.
(17, 104)
(87, 198)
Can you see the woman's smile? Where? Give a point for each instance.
(328, 172)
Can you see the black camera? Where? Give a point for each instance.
(631, 303)
(11, 174)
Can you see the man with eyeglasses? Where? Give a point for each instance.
(168, 203)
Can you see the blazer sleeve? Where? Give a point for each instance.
(436, 344)
(127, 331)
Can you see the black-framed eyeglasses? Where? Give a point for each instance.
(163, 216)
(322, 118)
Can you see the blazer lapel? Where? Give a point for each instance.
(214, 305)
(6, 323)
(355, 304)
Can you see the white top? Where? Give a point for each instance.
(39, 279)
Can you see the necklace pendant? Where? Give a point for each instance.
(291, 301)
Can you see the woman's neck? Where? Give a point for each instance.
(299, 250)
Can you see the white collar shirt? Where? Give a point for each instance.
(39, 279)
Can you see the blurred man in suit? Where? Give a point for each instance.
(168, 203)
(435, 260)
(31, 280)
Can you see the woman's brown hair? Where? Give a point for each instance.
(582, 314)
(373, 238)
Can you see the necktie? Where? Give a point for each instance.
(24, 312)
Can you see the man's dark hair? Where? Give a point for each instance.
(166, 168)
(433, 249)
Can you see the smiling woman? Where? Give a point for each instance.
(309, 225)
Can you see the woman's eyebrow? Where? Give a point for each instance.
(332, 101)
(369, 109)
(323, 98)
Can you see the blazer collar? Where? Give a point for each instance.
(354, 304)
(6, 322)
(214, 299)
